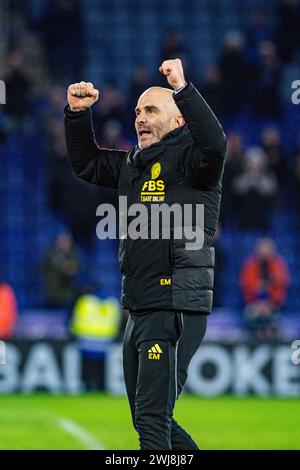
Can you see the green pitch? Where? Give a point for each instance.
(100, 421)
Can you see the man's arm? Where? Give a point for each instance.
(207, 160)
(205, 165)
(89, 162)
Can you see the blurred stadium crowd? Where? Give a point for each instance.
(242, 56)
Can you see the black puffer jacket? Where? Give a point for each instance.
(185, 167)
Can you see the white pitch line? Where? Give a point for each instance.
(86, 438)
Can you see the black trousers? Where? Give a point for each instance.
(157, 349)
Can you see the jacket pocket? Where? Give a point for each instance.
(147, 258)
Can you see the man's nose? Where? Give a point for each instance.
(141, 118)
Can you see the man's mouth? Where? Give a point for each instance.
(144, 132)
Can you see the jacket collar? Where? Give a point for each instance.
(142, 158)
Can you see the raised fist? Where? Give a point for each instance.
(173, 70)
(82, 96)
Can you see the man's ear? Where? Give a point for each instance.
(180, 121)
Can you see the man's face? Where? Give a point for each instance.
(265, 249)
(155, 116)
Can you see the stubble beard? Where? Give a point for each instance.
(158, 134)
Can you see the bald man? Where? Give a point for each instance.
(163, 116)
(167, 290)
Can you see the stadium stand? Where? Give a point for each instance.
(119, 36)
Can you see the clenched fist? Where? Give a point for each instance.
(82, 96)
(173, 70)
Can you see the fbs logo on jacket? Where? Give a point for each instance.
(154, 352)
(153, 190)
(155, 171)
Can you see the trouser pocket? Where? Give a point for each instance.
(173, 325)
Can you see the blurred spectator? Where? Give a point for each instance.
(255, 190)
(96, 316)
(8, 311)
(287, 36)
(36, 69)
(17, 88)
(264, 281)
(75, 200)
(271, 144)
(233, 167)
(173, 48)
(110, 106)
(61, 31)
(212, 89)
(139, 83)
(56, 102)
(112, 136)
(61, 268)
(236, 73)
(95, 323)
(258, 30)
(58, 165)
(267, 80)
